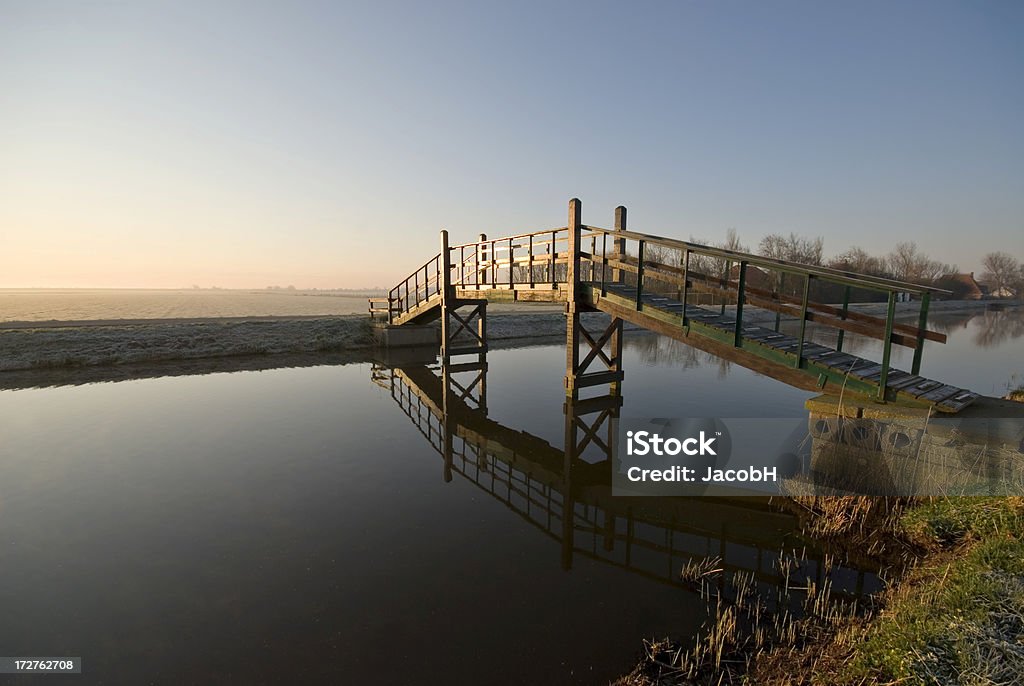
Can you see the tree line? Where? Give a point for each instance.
(1003, 274)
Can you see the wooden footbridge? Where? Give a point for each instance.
(700, 295)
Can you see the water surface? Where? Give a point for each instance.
(298, 524)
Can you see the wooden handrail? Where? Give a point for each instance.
(673, 275)
(826, 273)
(545, 232)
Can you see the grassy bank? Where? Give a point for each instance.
(953, 612)
(958, 616)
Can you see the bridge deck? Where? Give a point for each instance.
(779, 347)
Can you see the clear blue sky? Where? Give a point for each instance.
(246, 144)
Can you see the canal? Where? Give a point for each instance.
(297, 524)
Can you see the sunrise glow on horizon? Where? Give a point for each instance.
(161, 145)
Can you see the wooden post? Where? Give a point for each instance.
(568, 501)
(780, 285)
(444, 285)
(738, 336)
(639, 276)
(604, 264)
(552, 254)
(529, 260)
(803, 322)
(447, 434)
(481, 260)
(481, 330)
(575, 229)
(842, 315)
(615, 387)
(922, 324)
(572, 313)
(619, 244)
(725, 285)
(686, 277)
(592, 262)
(887, 345)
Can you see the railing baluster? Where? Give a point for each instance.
(416, 286)
(725, 286)
(640, 276)
(604, 263)
(511, 265)
(922, 324)
(739, 304)
(803, 322)
(887, 345)
(778, 313)
(551, 259)
(842, 316)
(593, 253)
(481, 267)
(686, 277)
(529, 259)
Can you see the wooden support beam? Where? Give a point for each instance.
(572, 313)
(598, 378)
(444, 276)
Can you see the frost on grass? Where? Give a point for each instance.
(104, 345)
(84, 346)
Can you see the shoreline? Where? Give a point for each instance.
(951, 605)
(48, 345)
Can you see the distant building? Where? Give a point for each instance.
(963, 286)
(756, 277)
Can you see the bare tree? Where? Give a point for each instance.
(702, 264)
(1001, 270)
(858, 260)
(907, 263)
(793, 248)
(732, 242)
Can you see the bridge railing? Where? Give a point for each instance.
(543, 260)
(653, 264)
(421, 286)
(537, 260)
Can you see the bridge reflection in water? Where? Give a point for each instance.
(565, 492)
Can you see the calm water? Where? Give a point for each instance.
(302, 525)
